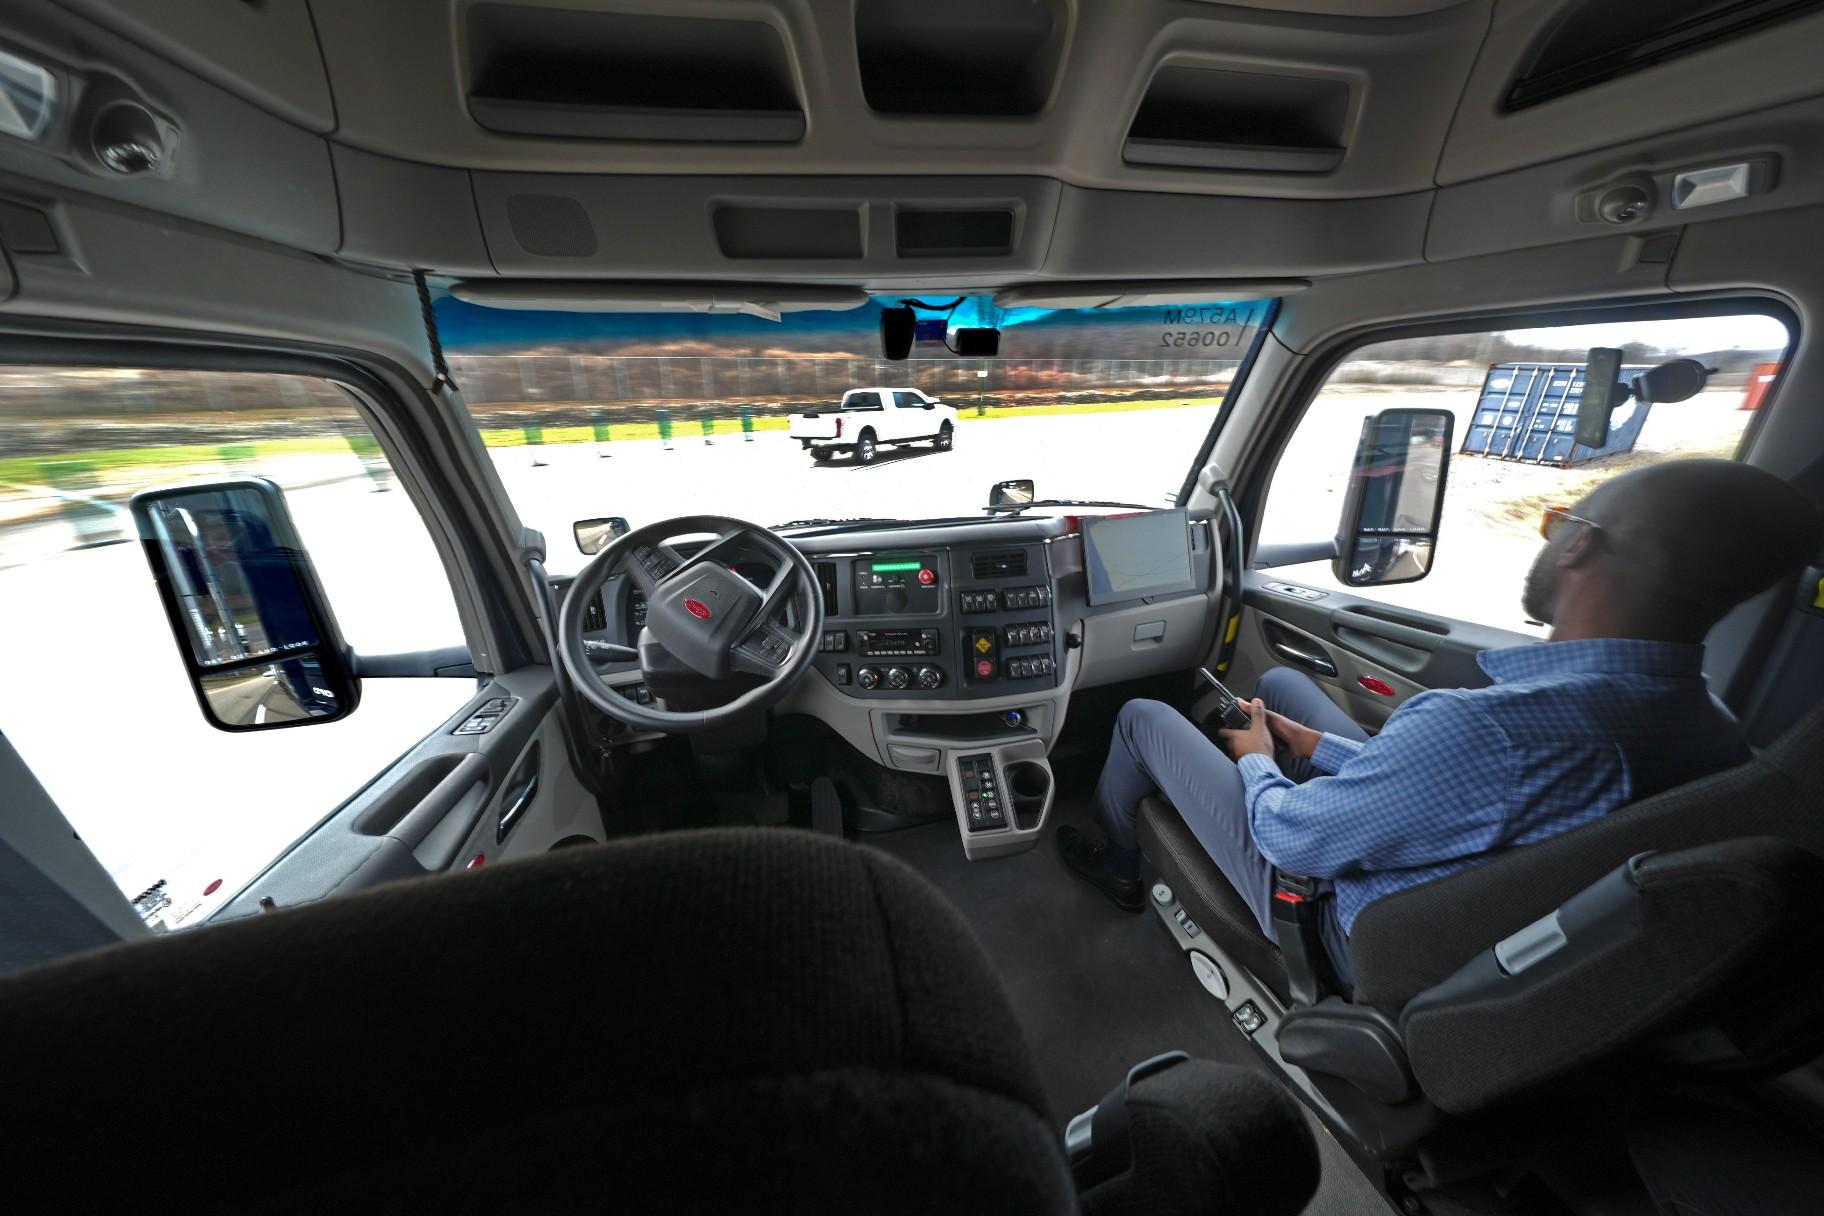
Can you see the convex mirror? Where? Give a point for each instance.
(1389, 527)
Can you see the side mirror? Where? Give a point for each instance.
(1603, 390)
(1389, 526)
(594, 535)
(251, 621)
(1011, 493)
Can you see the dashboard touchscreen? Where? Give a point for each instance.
(1131, 557)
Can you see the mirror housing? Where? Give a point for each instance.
(1015, 493)
(1603, 390)
(1388, 532)
(594, 535)
(251, 622)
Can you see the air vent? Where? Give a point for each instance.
(826, 580)
(983, 58)
(588, 75)
(1599, 40)
(955, 233)
(1011, 564)
(1205, 118)
(595, 616)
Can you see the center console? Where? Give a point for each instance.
(946, 625)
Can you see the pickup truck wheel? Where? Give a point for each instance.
(945, 437)
(819, 454)
(864, 448)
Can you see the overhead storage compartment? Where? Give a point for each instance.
(588, 75)
(980, 58)
(1215, 118)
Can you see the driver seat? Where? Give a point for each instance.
(707, 1021)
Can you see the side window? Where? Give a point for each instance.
(99, 706)
(863, 401)
(1512, 444)
(908, 401)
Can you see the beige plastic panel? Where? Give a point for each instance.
(1253, 656)
(1752, 72)
(1145, 640)
(264, 51)
(397, 69)
(1538, 205)
(235, 166)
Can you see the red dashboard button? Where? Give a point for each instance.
(984, 668)
(927, 576)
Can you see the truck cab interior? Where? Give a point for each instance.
(493, 723)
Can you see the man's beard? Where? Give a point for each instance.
(1539, 597)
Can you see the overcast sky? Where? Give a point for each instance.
(1689, 334)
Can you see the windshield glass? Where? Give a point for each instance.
(654, 415)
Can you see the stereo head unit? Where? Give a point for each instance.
(897, 643)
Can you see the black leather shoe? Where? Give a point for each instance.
(1086, 859)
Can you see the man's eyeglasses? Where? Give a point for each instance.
(1556, 518)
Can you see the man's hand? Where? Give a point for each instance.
(1297, 738)
(1254, 739)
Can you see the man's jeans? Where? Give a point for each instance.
(1157, 750)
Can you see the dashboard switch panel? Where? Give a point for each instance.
(983, 809)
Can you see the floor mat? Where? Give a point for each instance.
(1096, 989)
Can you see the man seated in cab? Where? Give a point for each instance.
(1611, 709)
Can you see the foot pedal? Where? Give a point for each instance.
(826, 807)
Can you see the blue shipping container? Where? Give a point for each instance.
(1528, 412)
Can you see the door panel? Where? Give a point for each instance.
(1368, 657)
(505, 792)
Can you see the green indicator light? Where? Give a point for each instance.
(895, 567)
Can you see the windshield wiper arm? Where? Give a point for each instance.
(1014, 508)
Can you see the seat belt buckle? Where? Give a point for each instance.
(1296, 910)
(1294, 898)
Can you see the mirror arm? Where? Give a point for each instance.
(449, 662)
(1295, 553)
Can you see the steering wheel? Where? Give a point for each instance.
(699, 613)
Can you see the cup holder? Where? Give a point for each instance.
(1028, 786)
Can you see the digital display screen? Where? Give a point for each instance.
(895, 567)
(1131, 557)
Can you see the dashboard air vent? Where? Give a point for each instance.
(594, 617)
(826, 580)
(1010, 564)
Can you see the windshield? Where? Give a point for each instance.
(652, 415)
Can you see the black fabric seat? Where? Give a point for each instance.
(1407, 942)
(711, 1021)
(772, 1019)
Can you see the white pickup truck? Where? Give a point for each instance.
(869, 417)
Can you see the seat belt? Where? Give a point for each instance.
(1297, 919)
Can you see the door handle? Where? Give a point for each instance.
(517, 805)
(1391, 631)
(1316, 662)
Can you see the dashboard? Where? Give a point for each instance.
(975, 611)
(953, 648)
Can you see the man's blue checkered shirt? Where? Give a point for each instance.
(1568, 732)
